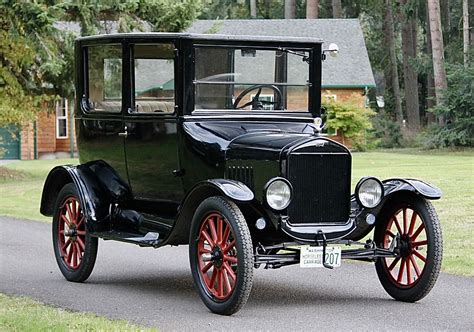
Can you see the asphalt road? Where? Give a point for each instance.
(155, 288)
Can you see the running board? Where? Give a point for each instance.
(150, 239)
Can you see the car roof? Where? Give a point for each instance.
(202, 37)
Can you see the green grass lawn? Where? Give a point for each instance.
(22, 314)
(453, 172)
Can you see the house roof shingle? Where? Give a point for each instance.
(350, 69)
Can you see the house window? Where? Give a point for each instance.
(61, 118)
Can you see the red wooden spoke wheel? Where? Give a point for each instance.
(221, 255)
(217, 256)
(71, 232)
(74, 248)
(409, 230)
(409, 225)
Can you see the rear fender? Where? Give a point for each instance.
(233, 190)
(98, 186)
(393, 188)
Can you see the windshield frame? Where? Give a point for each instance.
(314, 76)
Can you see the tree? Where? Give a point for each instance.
(312, 8)
(465, 20)
(439, 71)
(290, 9)
(390, 37)
(336, 8)
(410, 75)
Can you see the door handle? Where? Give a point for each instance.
(125, 133)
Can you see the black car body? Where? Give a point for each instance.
(214, 148)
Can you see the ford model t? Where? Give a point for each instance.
(216, 141)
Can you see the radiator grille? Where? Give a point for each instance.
(243, 174)
(321, 187)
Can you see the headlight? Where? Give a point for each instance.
(278, 193)
(369, 192)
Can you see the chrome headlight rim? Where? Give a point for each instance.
(358, 186)
(265, 193)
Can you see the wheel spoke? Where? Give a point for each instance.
(204, 251)
(70, 215)
(225, 238)
(420, 256)
(405, 220)
(81, 221)
(412, 223)
(420, 243)
(74, 210)
(81, 233)
(226, 281)
(81, 244)
(63, 218)
(207, 237)
(415, 266)
(69, 254)
(229, 270)
(395, 220)
(400, 272)
(394, 263)
(228, 247)
(407, 263)
(230, 259)
(206, 267)
(418, 231)
(387, 232)
(212, 227)
(220, 283)
(65, 245)
(219, 230)
(213, 278)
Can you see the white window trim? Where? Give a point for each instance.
(59, 104)
(330, 97)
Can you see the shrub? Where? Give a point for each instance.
(350, 120)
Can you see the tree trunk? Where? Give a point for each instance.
(465, 28)
(390, 38)
(439, 72)
(336, 8)
(312, 8)
(253, 8)
(290, 9)
(410, 76)
(430, 102)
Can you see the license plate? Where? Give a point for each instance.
(313, 256)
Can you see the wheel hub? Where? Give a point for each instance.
(405, 246)
(217, 256)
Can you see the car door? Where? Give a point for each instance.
(100, 123)
(151, 124)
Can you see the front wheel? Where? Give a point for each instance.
(410, 225)
(221, 255)
(74, 248)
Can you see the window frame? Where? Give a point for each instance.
(62, 104)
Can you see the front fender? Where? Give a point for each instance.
(97, 184)
(392, 188)
(233, 190)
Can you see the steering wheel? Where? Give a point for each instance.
(255, 102)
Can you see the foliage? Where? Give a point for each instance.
(386, 131)
(458, 110)
(30, 60)
(350, 120)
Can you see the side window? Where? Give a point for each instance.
(154, 78)
(104, 73)
(61, 118)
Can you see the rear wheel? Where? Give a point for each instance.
(221, 255)
(74, 248)
(411, 225)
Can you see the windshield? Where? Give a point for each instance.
(251, 79)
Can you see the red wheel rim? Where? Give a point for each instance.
(217, 256)
(71, 233)
(407, 269)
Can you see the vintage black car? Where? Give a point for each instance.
(182, 142)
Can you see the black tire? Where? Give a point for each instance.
(74, 248)
(414, 278)
(229, 259)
